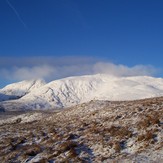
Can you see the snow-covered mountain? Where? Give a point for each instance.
(75, 90)
(17, 90)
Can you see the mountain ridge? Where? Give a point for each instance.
(19, 89)
(71, 91)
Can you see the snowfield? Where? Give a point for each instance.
(76, 90)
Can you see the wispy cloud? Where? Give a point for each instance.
(122, 70)
(16, 13)
(25, 73)
(51, 68)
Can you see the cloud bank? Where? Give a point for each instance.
(50, 68)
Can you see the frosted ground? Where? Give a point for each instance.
(98, 131)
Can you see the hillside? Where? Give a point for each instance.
(98, 131)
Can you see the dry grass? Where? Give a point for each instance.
(97, 131)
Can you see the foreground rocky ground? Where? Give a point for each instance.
(98, 131)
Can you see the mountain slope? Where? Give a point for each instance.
(75, 90)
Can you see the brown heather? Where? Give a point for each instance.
(98, 131)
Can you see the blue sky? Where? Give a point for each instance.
(122, 32)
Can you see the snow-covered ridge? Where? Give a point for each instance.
(75, 90)
(16, 90)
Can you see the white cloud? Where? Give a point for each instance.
(122, 70)
(25, 73)
(57, 70)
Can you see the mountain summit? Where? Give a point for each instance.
(17, 90)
